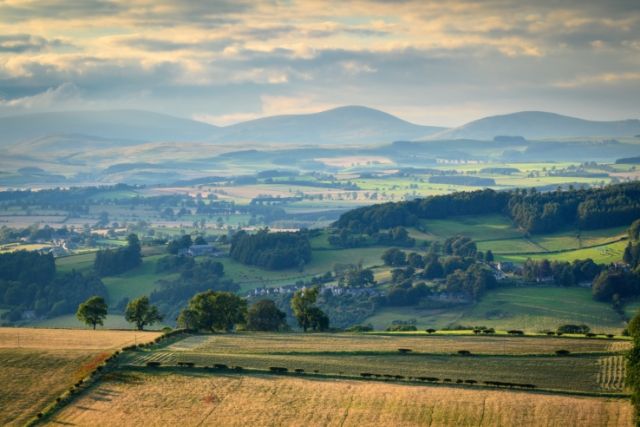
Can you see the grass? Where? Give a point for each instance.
(80, 262)
(137, 282)
(322, 261)
(604, 254)
(39, 364)
(239, 400)
(528, 308)
(482, 227)
(528, 360)
(296, 343)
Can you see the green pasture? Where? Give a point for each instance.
(528, 308)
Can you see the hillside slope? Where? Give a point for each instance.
(536, 125)
(344, 125)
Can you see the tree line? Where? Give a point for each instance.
(28, 283)
(109, 262)
(534, 211)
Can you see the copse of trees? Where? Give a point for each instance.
(534, 211)
(272, 251)
(612, 285)
(28, 282)
(93, 311)
(211, 311)
(460, 246)
(265, 316)
(562, 273)
(115, 261)
(184, 242)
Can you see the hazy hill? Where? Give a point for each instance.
(344, 125)
(536, 125)
(130, 125)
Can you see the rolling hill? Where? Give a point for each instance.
(344, 125)
(538, 125)
(128, 127)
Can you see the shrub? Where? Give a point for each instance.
(153, 364)
(515, 332)
(609, 335)
(459, 381)
(471, 382)
(401, 328)
(464, 352)
(430, 331)
(238, 368)
(278, 369)
(299, 371)
(489, 331)
(562, 352)
(574, 329)
(40, 415)
(186, 364)
(404, 350)
(220, 366)
(549, 333)
(559, 333)
(590, 335)
(446, 380)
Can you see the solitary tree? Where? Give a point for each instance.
(93, 311)
(142, 313)
(308, 315)
(265, 316)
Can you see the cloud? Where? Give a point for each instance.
(65, 94)
(225, 60)
(19, 43)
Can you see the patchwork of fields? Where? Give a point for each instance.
(582, 389)
(521, 360)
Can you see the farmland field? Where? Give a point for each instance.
(525, 360)
(530, 308)
(191, 399)
(39, 364)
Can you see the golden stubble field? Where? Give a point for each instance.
(37, 365)
(191, 399)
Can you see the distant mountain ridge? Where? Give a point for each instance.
(128, 125)
(538, 125)
(350, 125)
(346, 125)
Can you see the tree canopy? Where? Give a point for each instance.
(142, 313)
(93, 311)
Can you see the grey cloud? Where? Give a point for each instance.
(19, 43)
(159, 45)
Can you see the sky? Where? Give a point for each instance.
(430, 62)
